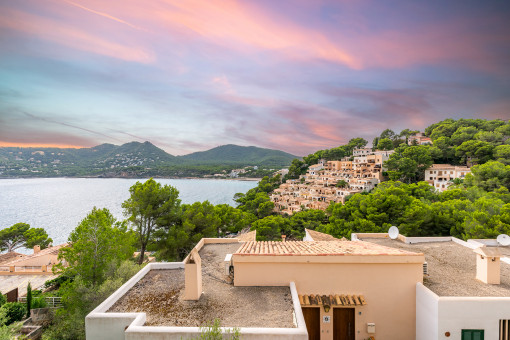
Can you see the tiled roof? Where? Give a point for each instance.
(317, 248)
(8, 257)
(48, 251)
(318, 236)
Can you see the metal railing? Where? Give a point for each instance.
(51, 301)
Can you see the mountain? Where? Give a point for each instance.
(235, 154)
(133, 160)
(131, 154)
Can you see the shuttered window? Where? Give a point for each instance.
(504, 329)
(472, 334)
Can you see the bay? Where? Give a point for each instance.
(59, 204)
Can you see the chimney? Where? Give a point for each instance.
(488, 265)
(284, 237)
(37, 249)
(193, 276)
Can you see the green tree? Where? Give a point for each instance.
(474, 152)
(492, 137)
(233, 220)
(22, 235)
(408, 163)
(463, 134)
(342, 184)
(385, 144)
(29, 299)
(489, 176)
(502, 154)
(269, 228)
(150, 206)
(98, 240)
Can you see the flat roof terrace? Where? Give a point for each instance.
(452, 269)
(160, 295)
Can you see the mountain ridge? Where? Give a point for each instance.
(133, 157)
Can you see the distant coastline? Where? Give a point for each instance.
(248, 179)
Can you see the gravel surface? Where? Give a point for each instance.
(160, 294)
(452, 269)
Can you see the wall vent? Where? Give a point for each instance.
(425, 268)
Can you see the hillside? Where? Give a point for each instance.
(133, 159)
(235, 154)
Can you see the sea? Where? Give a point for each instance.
(59, 204)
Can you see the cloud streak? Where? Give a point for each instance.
(105, 15)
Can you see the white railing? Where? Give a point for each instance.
(28, 269)
(4, 268)
(51, 301)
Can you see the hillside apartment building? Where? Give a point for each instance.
(441, 175)
(317, 188)
(320, 288)
(419, 139)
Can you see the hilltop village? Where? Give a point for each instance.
(333, 181)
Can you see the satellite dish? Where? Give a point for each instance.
(503, 239)
(393, 233)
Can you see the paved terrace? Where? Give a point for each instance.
(452, 269)
(160, 295)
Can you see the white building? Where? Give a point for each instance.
(441, 175)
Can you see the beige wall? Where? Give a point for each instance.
(389, 288)
(42, 260)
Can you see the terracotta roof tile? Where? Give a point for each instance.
(317, 248)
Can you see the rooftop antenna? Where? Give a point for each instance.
(503, 239)
(393, 233)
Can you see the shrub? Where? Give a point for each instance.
(39, 302)
(212, 331)
(3, 300)
(14, 311)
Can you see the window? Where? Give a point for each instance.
(472, 334)
(504, 329)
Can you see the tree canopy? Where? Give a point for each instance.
(22, 235)
(98, 240)
(151, 206)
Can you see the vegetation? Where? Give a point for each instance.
(22, 235)
(99, 259)
(96, 242)
(213, 331)
(14, 311)
(8, 331)
(135, 160)
(151, 206)
(100, 255)
(29, 299)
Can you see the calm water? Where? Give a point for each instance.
(59, 204)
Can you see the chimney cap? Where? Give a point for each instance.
(488, 251)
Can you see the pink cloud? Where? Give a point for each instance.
(70, 36)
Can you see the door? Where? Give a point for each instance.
(343, 324)
(313, 322)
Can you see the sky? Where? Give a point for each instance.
(297, 75)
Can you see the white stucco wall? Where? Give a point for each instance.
(457, 313)
(437, 315)
(426, 313)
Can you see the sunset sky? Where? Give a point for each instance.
(298, 75)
